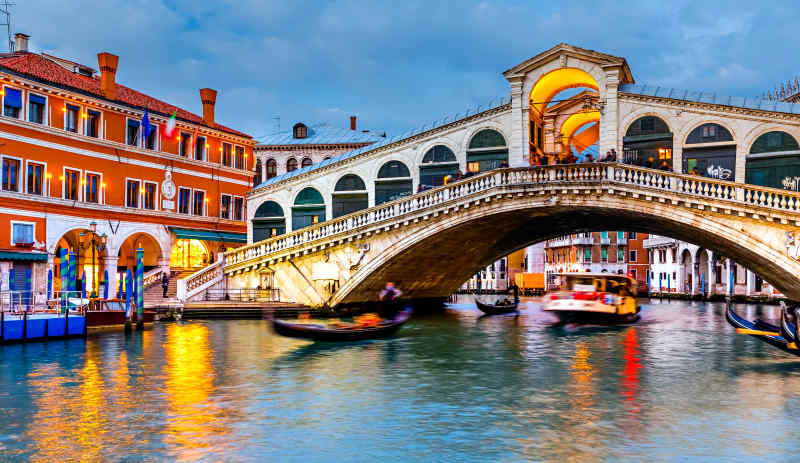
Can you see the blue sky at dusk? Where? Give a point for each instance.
(398, 65)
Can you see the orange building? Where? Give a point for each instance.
(73, 152)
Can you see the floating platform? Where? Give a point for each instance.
(240, 310)
(41, 327)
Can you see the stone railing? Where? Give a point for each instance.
(152, 277)
(200, 280)
(658, 241)
(649, 181)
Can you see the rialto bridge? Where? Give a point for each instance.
(335, 231)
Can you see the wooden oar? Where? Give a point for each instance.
(757, 332)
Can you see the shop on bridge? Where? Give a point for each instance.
(716, 158)
(393, 182)
(487, 150)
(439, 162)
(774, 161)
(349, 195)
(648, 142)
(308, 209)
(268, 221)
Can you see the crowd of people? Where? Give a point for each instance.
(570, 158)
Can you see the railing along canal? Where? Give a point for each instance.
(624, 175)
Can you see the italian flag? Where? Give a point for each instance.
(170, 128)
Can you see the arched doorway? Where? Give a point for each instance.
(487, 150)
(647, 141)
(394, 181)
(580, 131)
(308, 209)
(189, 254)
(542, 93)
(774, 161)
(86, 257)
(349, 195)
(268, 221)
(437, 163)
(687, 272)
(717, 161)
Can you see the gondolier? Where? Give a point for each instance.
(388, 297)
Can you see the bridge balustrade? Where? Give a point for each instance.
(626, 175)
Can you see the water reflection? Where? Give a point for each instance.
(674, 386)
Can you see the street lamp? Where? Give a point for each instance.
(97, 242)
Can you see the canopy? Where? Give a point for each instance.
(30, 256)
(209, 235)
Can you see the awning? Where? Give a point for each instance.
(29, 256)
(209, 235)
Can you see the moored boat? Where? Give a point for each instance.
(496, 309)
(334, 333)
(594, 298)
(110, 313)
(762, 330)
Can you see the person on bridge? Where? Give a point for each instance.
(164, 284)
(588, 158)
(665, 165)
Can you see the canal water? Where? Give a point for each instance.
(451, 387)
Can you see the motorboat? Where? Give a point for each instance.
(593, 298)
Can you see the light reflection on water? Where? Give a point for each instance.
(449, 387)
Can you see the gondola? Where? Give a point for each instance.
(762, 330)
(319, 332)
(496, 309)
(789, 329)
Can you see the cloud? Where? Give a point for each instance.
(398, 65)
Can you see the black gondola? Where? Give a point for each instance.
(496, 309)
(325, 333)
(789, 329)
(760, 326)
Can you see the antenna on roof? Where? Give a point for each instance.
(277, 124)
(5, 15)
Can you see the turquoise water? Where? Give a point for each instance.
(451, 387)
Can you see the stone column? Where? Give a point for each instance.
(710, 283)
(677, 155)
(110, 265)
(741, 160)
(517, 149)
(695, 275)
(609, 119)
(751, 283)
(727, 282)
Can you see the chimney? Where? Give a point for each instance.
(21, 42)
(209, 98)
(108, 71)
(352, 122)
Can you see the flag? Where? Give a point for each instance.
(147, 127)
(169, 130)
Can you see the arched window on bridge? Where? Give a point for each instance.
(394, 181)
(306, 162)
(349, 195)
(291, 164)
(647, 142)
(716, 161)
(438, 162)
(268, 221)
(487, 150)
(774, 161)
(272, 168)
(308, 209)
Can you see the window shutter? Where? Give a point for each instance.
(13, 98)
(36, 99)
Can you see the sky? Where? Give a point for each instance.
(399, 65)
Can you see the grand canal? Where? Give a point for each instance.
(450, 387)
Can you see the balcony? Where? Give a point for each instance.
(622, 241)
(558, 243)
(605, 241)
(583, 240)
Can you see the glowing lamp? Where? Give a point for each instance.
(2, 92)
(48, 175)
(141, 190)
(220, 149)
(64, 109)
(83, 182)
(208, 146)
(206, 200)
(61, 178)
(103, 185)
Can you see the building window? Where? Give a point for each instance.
(151, 142)
(633, 273)
(226, 155)
(620, 255)
(604, 235)
(620, 236)
(91, 193)
(12, 102)
(35, 178)
(631, 235)
(587, 255)
(132, 192)
(149, 200)
(71, 184)
(306, 162)
(36, 105)
(132, 137)
(92, 124)
(238, 208)
(291, 164)
(604, 255)
(184, 144)
(272, 168)
(239, 157)
(22, 233)
(183, 200)
(11, 174)
(300, 130)
(200, 149)
(632, 256)
(198, 206)
(71, 118)
(225, 207)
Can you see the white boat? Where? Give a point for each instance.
(593, 297)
